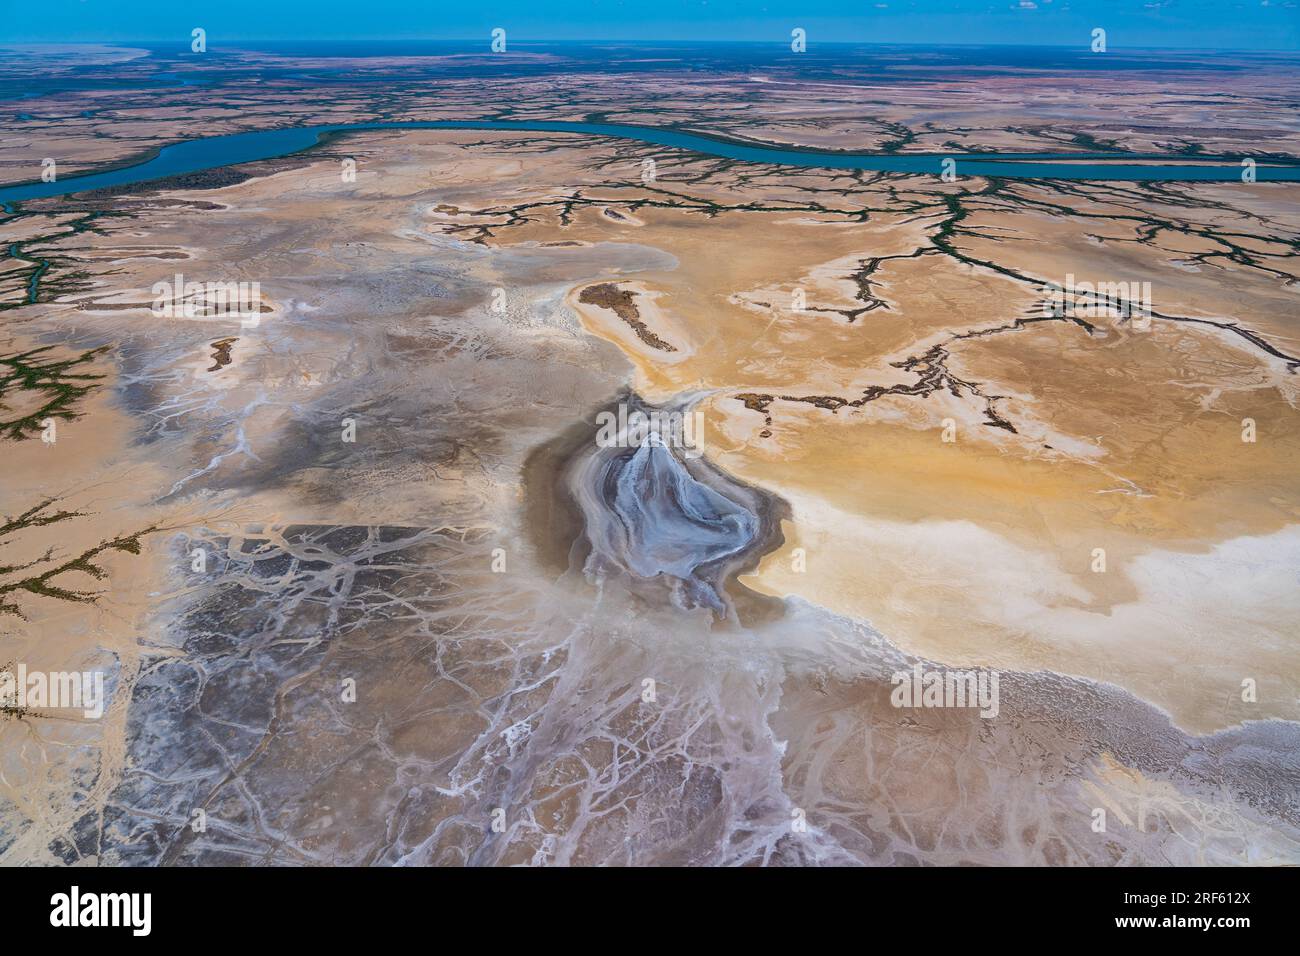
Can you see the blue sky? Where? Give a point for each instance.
(1214, 24)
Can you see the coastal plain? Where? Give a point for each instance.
(1103, 508)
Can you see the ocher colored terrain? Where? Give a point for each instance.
(944, 460)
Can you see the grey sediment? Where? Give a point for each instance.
(580, 527)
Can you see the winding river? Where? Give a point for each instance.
(213, 152)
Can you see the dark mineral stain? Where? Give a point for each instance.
(221, 353)
(622, 303)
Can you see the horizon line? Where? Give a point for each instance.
(479, 39)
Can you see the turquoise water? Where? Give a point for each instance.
(214, 152)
